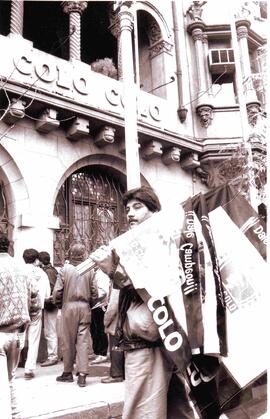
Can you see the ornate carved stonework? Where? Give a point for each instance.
(126, 20)
(74, 6)
(171, 155)
(195, 10)
(197, 35)
(78, 129)
(151, 150)
(253, 111)
(160, 47)
(190, 161)
(242, 32)
(47, 121)
(154, 32)
(205, 113)
(15, 112)
(105, 136)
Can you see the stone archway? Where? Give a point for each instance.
(90, 210)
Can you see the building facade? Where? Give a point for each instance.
(101, 96)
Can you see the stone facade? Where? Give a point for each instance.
(60, 117)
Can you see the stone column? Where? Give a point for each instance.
(253, 105)
(115, 30)
(16, 18)
(129, 95)
(74, 9)
(204, 108)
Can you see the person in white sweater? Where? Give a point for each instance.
(41, 282)
(18, 303)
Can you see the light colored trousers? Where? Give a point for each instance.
(11, 345)
(147, 380)
(50, 333)
(147, 377)
(33, 336)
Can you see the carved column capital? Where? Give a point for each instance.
(74, 6)
(205, 113)
(205, 39)
(197, 35)
(126, 20)
(242, 32)
(160, 47)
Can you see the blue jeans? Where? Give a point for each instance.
(11, 345)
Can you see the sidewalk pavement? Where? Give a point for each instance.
(44, 398)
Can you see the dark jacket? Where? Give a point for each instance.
(52, 275)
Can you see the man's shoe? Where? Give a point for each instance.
(81, 380)
(99, 359)
(66, 377)
(108, 380)
(28, 375)
(49, 362)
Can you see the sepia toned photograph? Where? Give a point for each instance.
(133, 209)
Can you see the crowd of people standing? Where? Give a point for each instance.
(105, 323)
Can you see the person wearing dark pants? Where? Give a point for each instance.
(99, 337)
(117, 358)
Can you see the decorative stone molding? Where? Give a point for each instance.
(154, 32)
(195, 10)
(126, 20)
(171, 155)
(190, 161)
(205, 39)
(105, 136)
(242, 32)
(253, 111)
(74, 6)
(16, 17)
(16, 111)
(205, 113)
(160, 47)
(47, 121)
(151, 150)
(78, 129)
(197, 35)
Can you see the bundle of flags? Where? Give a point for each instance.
(203, 266)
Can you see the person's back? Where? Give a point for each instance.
(50, 312)
(18, 302)
(40, 280)
(74, 293)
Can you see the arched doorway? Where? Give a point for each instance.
(90, 210)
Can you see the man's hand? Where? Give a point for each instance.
(106, 259)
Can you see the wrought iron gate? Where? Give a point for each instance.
(90, 210)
